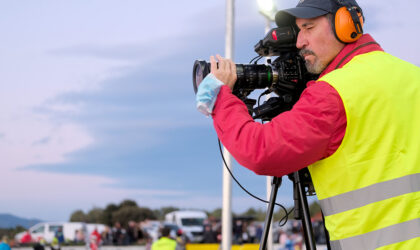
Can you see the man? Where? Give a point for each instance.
(95, 239)
(164, 243)
(208, 235)
(26, 238)
(60, 235)
(356, 128)
(4, 243)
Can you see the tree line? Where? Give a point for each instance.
(129, 210)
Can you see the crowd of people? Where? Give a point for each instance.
(288, 237)
(243, 231)
(171, 236)
(131, 234)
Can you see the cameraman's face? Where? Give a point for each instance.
(317, 43)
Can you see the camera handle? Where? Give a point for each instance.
(301, 210)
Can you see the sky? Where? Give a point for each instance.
(97, 104)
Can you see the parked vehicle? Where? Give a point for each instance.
(191, 222)
(151, 228)
(47, 230)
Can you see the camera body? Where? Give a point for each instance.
(286, 76)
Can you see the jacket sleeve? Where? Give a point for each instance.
(291, 141)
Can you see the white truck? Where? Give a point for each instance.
(190, 221)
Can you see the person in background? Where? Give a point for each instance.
(60, 236)
(55, 245)
(4, 244)
(252, 232)
(95, 239)
(118, 234)
(165, 242)
(80, 235)
(106, 236)
(237, 232)
(132, 232)
(259, 232)
(208, 235)
(245, 235)
(40, 245)
(26, 238)
(181, 240)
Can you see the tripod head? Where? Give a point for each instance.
(305, 179)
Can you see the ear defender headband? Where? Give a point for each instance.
(348, 22)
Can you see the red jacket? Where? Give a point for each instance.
(27, 238)
(95, 236)
(312, 130)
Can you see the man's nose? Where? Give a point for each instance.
(301, 41)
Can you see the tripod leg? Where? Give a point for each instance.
(274, 188)
(306, 220)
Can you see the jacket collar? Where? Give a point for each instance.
(363, 45)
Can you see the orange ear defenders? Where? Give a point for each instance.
(348, 24)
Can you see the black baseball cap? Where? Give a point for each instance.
(310, 9)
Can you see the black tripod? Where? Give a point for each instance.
(302, 182)
(301, 179)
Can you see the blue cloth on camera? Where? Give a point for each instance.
(207, 94)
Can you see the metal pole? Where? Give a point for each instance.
(227, 181)
(230, 5)
(269, 223)
(269, 178)
(227, 203)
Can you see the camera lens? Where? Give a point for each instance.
(253, 76)
(249, 76)
(200, 70)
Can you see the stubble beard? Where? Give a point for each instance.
(317, 66)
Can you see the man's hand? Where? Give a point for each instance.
(226, 72)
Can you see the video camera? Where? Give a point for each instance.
(286, 75)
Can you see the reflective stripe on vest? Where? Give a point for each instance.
(383, 237)
(376, 192)
(369, 189)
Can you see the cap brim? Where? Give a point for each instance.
(287, 16)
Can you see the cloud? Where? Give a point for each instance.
(55, 196)
(141, 112)
(42, 141)
(140, 51)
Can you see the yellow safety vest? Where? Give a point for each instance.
(164, 243)
(369, 189)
